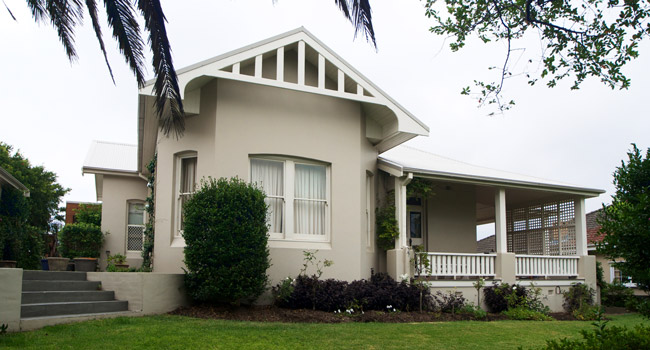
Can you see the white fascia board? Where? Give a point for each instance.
(481, 180)
(103, 171)
(391, 168)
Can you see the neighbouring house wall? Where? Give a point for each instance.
(146, 292)
(117, 192)
(451, 219)
(238, 120)
(607, 271)
(11, 290)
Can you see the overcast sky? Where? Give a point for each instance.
(52, 109)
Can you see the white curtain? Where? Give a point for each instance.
(310, 199)
(136, 214)
(188, 175)
(269, 175)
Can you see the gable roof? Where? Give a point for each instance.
(404, 159)
(110, 157)
(388, 124)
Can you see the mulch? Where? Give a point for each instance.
(276, 314)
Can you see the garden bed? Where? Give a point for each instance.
(276, 314)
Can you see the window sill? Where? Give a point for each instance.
(178, 242)
(295, 244)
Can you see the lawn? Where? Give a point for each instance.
(178, 332)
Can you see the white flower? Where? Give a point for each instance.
(404, 277)
(394, 310)
(389, 306)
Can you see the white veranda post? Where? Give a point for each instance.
(400, 209)
(500, 220)
(581, 227)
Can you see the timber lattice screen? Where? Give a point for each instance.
(542, 229)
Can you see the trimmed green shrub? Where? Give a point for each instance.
(225, 233)
(81, 240)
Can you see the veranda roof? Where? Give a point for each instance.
(405, 159)
(111, 157)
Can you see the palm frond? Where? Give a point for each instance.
(64, 16)
(38, 9)
(91, 5)
(360, 16)
(126, 31)
(9, 10)
(343, 6)
(166, 86)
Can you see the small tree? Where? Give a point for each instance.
(89, 214)
(225, 233)
(626, 222)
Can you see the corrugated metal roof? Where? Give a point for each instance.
(418, 161)
(112, 156)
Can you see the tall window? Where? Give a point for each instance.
(185, 185)
(370, 222)
(135, 227)
(297, 195)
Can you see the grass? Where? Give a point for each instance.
(177, 332)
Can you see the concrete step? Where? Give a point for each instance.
(72, 308)
(54, 275)
(66, 296)
(58, 285)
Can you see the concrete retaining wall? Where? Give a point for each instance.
(149, 293)
(11, 288)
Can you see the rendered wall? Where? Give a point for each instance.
(451, 219)
(238, 120)
(149, 293)
(11, 288)
(117, 192)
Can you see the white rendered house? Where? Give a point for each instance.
(326, 146)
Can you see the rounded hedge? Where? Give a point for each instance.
(81, 240)
(225, 233)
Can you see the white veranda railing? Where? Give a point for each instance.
(546, 266)
(455, 265)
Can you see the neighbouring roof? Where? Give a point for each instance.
(6, 178)
(487, 244)
(405, 159)
(110, 157)
(593, 236)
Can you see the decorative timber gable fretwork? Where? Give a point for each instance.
(298, 61)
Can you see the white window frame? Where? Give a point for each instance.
(288, 234)
(612, 274)
(144, 223)
(178, 232)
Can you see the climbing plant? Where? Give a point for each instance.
(147, 249)
(387, 230)
(421, 188)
